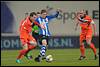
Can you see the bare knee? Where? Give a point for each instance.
(44, 42)
(33, 43)
(25, 46)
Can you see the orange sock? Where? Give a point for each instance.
(22, 52)
(82, 49)
(93, 48)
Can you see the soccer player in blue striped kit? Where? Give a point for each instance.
(44, 33)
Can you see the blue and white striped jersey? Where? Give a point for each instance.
(46, 20)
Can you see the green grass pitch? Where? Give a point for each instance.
(62, 57)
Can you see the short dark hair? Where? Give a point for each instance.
(32, 13)
(43, 11)
(38, 12)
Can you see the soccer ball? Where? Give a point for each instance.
(49, 58)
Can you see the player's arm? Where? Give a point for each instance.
(76, 26)
(76, 21)
(84, 20)
(54, 16)
(94, 27)
(36, 23)
(34, 27)
(40, 25)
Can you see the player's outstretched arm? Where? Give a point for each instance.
(94, 27)
(76, 22)
(56, 15)
(76, 26)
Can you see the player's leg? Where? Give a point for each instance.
(22, 53)
(43, 48)
(31, 45)
(23, 38)
(29, 53)
(82, 48)
(44, 42)
(42, 51)
(90, 44)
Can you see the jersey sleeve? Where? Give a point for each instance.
(36, 23)
(53, 16)
(88, 19)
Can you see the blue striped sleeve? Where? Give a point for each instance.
(53, 16)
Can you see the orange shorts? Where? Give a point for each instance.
(26, 38)
(86, 36)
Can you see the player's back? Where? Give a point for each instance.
(25, 25)
(21, 24)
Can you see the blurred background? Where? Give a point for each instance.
(61, 28)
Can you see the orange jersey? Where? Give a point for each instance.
(25, 25)
(21, 24)
(86, 29)
(25, 29)
(85, 26)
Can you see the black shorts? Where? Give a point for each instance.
(35, 35)
(41, 37)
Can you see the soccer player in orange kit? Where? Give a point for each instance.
(28, 41)
(86, 24)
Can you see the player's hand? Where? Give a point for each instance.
(42, 26)
(59, 10)
(36, 31)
